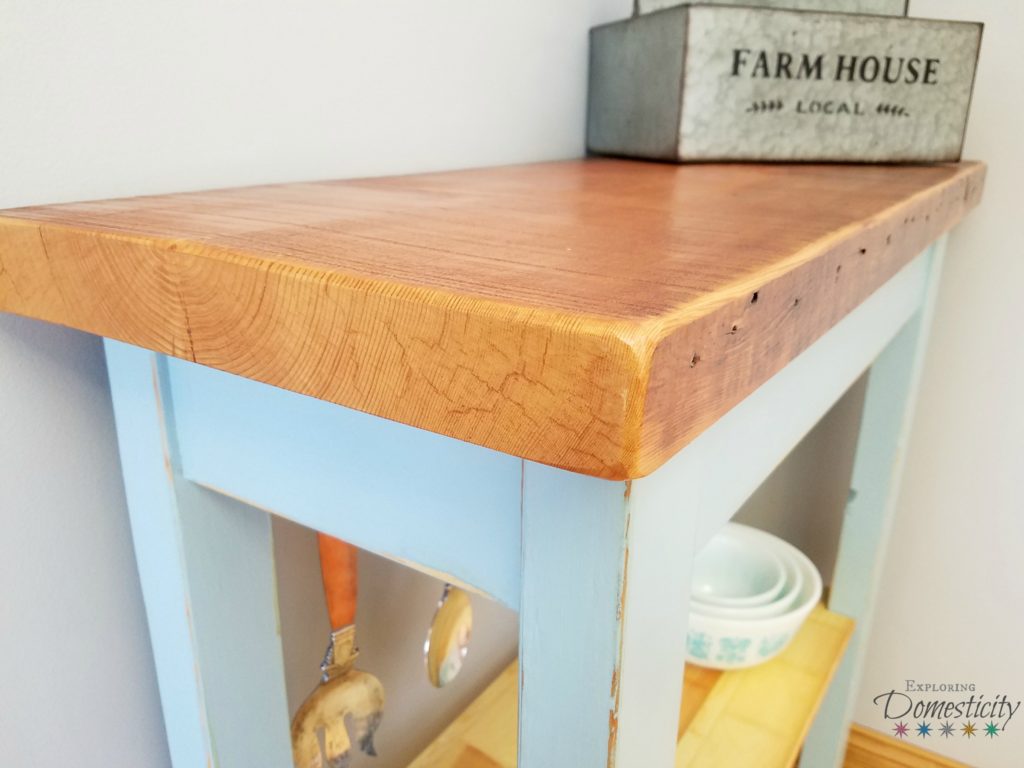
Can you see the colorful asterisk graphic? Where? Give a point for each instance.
(900, 729)
(946, 729)
(991, 729)
(923, 729)
(968, 729)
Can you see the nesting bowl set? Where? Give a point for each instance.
(750, 594)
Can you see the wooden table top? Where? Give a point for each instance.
(593, 314)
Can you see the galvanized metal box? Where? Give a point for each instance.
(704, 82)
(878, 7)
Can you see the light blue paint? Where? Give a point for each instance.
(602, 633)
(885, 426)
(206, 567)
(155, 532)
(663, 511)
(574, 546)
(402, 492)
(742, 448)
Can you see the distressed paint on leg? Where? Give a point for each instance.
(583, 629)
(613, 715)
(206, 567)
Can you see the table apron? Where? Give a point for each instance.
(440, 505)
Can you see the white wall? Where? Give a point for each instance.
(952, 602)
(123, 98)
(76, 673)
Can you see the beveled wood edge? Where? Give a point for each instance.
(693, 352)
(609, 340)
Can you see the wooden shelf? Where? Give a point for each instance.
(750, 717)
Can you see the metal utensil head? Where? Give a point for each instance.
(447, 641)
(347, 706)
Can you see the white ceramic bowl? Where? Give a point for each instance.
(785, 600)
(732, 643)
(737, 569)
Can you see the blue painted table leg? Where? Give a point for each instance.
(207, 573)
(605, 590)
(885, 426)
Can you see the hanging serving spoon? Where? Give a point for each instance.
(447, 641)
(321, 737)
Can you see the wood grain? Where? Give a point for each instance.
(594, 315)
(760, 716)
(870, 749)
(749, 717)
(484, 734)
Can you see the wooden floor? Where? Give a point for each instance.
(871, 749)
(750, 717)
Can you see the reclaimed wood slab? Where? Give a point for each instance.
(594, 315)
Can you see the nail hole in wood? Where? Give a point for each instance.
(733, 329)
(862, 251)
(839, 268)
(796, 303)
(753, 299)
(695, 359)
